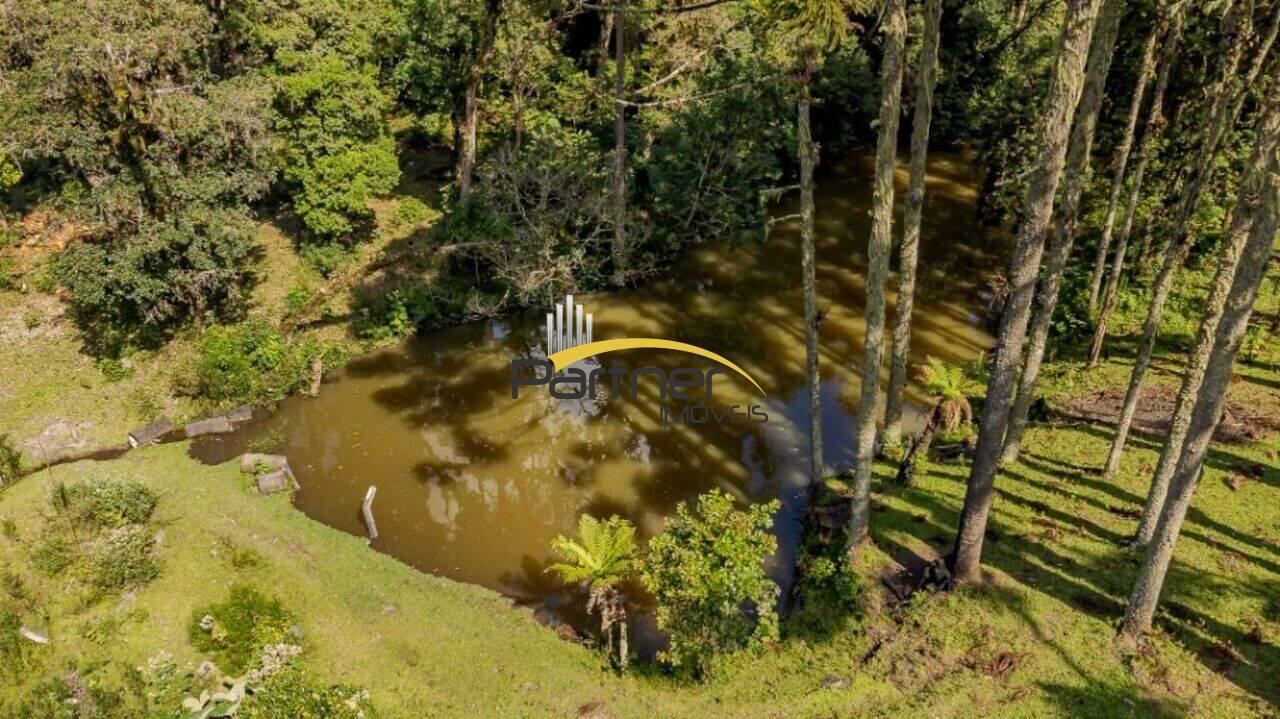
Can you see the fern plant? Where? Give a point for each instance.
(950, 386)
(601, 557)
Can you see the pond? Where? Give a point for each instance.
(473, 484)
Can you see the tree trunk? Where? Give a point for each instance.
(1064, 94)
(1155, 122)
(1145, 69)
(1217, 124)
(908, 256)
(920, 448)
(808, 158)
(1251, 188)
(1207, 412)
(467, 133)
(619, 249)
(1060, 242)
(878, 249)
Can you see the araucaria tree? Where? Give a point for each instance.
(878, 249)
(1220, 117)
(1055, 127)
(1063, 237)
(1152, 128)
(909, 250)
(1242, 218)
(1207, 412)
(816, 26)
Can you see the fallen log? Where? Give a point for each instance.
(151, 433)
(213, 425)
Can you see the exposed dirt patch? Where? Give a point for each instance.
(1241, 423)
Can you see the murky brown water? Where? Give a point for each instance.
(473, 485)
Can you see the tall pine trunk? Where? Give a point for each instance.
(619, 248)
(1227, 337)
(808, 158)
(1217, 123)
(1060, 242)
(471, 100)
(1251, 188)
(1055, 127)
(1154, 124)
(1146, 67)
(878, 249)
(926, 76)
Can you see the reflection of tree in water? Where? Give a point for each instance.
(476, 484)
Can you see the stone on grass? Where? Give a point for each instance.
(151, 433)
(832, 681)
(243, 413)
(32, 635)
(273, 482)
(251, 461)
(213, 425)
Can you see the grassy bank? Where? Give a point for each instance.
(1037, 641)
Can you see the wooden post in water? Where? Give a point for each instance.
(367, 508)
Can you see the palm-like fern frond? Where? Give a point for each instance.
(951, 386)
(601, 554)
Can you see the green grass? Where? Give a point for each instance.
(1036, 641)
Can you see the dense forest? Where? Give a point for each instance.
(430, 163)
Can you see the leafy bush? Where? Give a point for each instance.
(111, 503)
(339, 152)
(124, 557)
(10, 461)
(236, 630)
(132, 289)
(412, 212)
(8, 273)
(292, 693)
(114, 370)
(325, 258)
(52, 552)
(296, 298)
(12, 645)
(253, 362)
(828, 591)
(706, 571)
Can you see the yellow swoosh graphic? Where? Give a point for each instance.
(564, 358)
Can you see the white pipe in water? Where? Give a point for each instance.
(367, 508)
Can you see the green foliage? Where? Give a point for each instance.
(10, 461)
(236, 630)
(706, 571)
(8, 273)
(828, 592)
(111, 503)
(52, 552)
(339, 153)
(951, 386)
(291, 693)
(113, 369)
(412, 212)
(326, 258)
(122, 558)
(135, 287)
(13, 648)
(254, 362)
(603, 553)
(296, 298)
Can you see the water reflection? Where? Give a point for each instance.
(474, 485)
